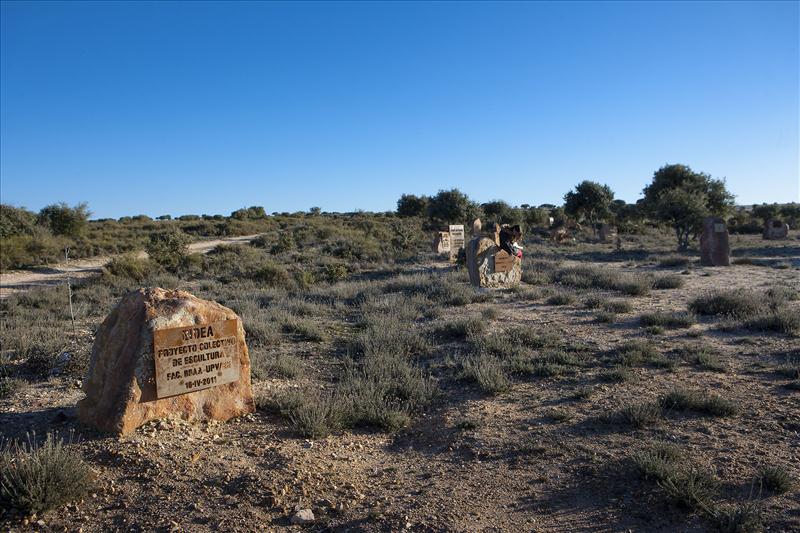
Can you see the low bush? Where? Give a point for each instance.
(687, 400)
(131, 267)
(739, 303)
(776, 479)
(37, 477)
(634, 353)
(641, 415)
(659, 462)
(671, 261)
(670, 281)
(487, 372)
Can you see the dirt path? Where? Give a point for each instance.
(15, 281)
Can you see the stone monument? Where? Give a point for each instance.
(490, 266)
(775, 230)
(477, 227)
(606, 231)
(714, 247)
(456, 241)
(441, 243)
(165, 353)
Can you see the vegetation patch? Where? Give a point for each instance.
(37, 477)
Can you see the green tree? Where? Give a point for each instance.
(502, 213)
(168, 248)
(255, 212)
(681, 198)
(62, 219)
(16, 221)
(589, 201)
(410, 205)
(452, 207)
(766, 211)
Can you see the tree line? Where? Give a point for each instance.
(677, 197)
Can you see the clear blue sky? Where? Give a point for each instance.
(181, 108)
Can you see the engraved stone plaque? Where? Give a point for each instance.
(191, 358)
(456, 240)
(503, 262)
(719, 228)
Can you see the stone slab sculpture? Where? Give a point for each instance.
(606, 231)
(441, 243)
(456, 241)
(166, 353)
(714, 246)
(775, 230)
(489, 266)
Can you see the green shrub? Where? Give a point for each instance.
(37, 477)
(670, 281)
(605, 317)
(739, 303)
(641, 415)
(781, 320)
(461, 328)
(687, 400)
(487, 372)
(674, 261)
(776, 479)
(130, 267)
(635, 352)
(168, 248)
(272, 275)
(561, 298)
(659, 462)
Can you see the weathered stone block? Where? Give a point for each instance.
(482, 264)
(121, 386)
(714, 247)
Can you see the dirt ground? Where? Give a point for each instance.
(472, 462)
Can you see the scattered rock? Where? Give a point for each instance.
(303, 517)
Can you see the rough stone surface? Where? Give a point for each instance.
(775, 229)
(120, 384)
(606, 231)
(477, 227)
(480, 253)
(714, 247)
(441, 243)
(302, 517)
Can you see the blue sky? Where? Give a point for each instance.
(182, 108)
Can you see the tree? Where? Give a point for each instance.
(62, 219)
(590, 201)
(452, 207)
(254, 212)
(410, 205)
(16, 221)
(680, 197)
(169, 248)
(766, 211)
(315, 211)
(501, 212)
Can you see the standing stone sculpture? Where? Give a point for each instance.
(490, 266)
(165, 353)
(456, 241)
(441, 243)
(477, 227)
(605, 231)
(775, 229)
(714, 247)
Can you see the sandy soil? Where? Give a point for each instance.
(515, 468)
(20, 280)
